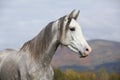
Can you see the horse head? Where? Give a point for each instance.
(71, 34)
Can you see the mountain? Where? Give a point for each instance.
(104, 54)
(109, 67)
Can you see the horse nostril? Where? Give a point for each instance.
(87, 49)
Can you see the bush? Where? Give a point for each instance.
(74, 75)
(58, 74)
(114, 76)
(103, 75)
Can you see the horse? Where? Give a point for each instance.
(32, 60)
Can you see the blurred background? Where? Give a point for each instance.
(21, 20)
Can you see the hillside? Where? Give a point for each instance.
(103, 53)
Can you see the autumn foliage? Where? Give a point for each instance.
(74, 75)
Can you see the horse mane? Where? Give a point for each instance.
(39, 44)
(61, 25)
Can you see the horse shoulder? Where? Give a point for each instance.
(9, 70)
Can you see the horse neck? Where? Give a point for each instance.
(43, 46)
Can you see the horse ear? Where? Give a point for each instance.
(74, 14)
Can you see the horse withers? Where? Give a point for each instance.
(32, 61)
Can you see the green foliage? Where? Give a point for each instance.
(74, 75)
(58, 75)
(103, 75)
(114, 76)
(71, 75)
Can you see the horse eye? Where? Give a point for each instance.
(72, 29)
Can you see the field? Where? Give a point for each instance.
(87, 75)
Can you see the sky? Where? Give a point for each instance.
(21, 20)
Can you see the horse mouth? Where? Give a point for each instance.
(81, 54)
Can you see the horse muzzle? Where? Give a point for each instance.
(85, 53)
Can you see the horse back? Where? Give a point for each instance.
(6, 52)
